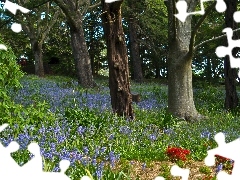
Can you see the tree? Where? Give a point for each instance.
(74, 11)
(119, 85)
(231, 98)
(37, 25)
(181, 39)
(134, 42)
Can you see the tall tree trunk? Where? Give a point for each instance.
(74, 11)
(81, 55)
(231, 98)
(180, 93)
(134, 47)
(37, 51)
(119, 85)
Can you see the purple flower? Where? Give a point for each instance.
(111, 137)
(144, 166)
(85, 150)
(152, 137)
(81, 130)
(99, 171)
(125, 130)
(205, 134)
(168, 131)
(103, 149)
(219, 167)
(94, 161)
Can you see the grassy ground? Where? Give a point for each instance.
(76, 124)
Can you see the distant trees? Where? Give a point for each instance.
(37, 25)
(133, 27)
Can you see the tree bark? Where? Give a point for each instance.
(74, 12)
(37, 51)
(180, 93)
(121, 99)
(134, 46)
(231, 98)
(81, 55)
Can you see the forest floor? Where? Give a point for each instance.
(80, 122)
(160, 167)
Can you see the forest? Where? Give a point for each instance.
(121, 89)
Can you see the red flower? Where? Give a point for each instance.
(176, 153)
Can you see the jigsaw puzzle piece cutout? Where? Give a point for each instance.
(4, 126)
(64, 165)
(222, 51)
(181, 6)
(159, 178)
(87, 178)
(221, 6)
(177, 171)
(10, 165)
(3, 47)
(236, 16)
(35, 162)
(223, 176)
(228, 150)
(12, 7)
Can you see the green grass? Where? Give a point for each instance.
(131, 140)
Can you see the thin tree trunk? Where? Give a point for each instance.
(119, 85)
(134, 49)
(37, 51)
(81, 56)
(231, 98)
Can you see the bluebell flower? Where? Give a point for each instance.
(81, 130)
(99, 171)
(94, 161)
(144, 166)
(103, 149)
(111, 137)
(85, 150)
(168, 131)
(205, 134)
(219, 168)
(152, 137)
(125, 130)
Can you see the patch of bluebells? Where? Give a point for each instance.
(61, 97)
(51, 148)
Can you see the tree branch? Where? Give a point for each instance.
(50, 25)
(66, 11)
(197, 26)
(213, 39)
(94, 5)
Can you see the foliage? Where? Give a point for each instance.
(10, 72)
(93, 138)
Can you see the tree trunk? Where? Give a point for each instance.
(81, 55)
(37, 51)
(134, 49)
(119, 85)
(231, 98)
(180, 93)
